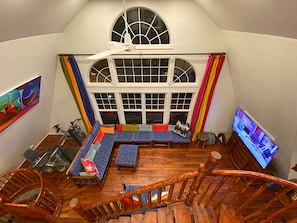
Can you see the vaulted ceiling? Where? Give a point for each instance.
(24, 18)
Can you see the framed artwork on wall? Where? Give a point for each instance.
(18, 101)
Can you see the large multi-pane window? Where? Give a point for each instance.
(145, 88)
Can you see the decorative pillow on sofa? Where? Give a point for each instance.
(89, 166)
(130, 128)
(160, 127)
(181, 129)
(107, 130)
(91, 153)
(119, 127)
(99, 137)
(145, 128)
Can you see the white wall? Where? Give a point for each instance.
(189, 27)
(21, 60)
(263, 71)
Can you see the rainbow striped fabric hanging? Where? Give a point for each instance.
(205, 93)
(78, 89)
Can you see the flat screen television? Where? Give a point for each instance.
(255, 139)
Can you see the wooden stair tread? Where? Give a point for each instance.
(203, 214)
(165, 215)
(124, 219)
(182, 213)
(150, 217)
(137, 218)
(228, 215)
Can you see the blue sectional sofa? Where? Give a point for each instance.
(102, 157)
(106, 137)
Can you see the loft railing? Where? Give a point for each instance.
(253, 197)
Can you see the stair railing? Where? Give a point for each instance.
(252, 196)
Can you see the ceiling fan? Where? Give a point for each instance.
(118, 47)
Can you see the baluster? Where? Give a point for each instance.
(203, 171)
(74, 203)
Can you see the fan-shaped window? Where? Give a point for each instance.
(144, 26)
(100, 72)
(183, 71)
(143, 88)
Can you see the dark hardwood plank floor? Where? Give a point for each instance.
(154, 164)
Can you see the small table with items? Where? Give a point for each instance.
(127, 156)
(202, 138)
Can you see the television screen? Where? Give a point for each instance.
(256, 140)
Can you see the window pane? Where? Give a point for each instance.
(133, 117)
(109, 117)
(105, 100)
(154, 117)
(178, 116)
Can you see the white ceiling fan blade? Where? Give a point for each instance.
(107, 53)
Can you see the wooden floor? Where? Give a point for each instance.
(154, 164)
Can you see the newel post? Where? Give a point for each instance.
(203, 170)
(75, 205)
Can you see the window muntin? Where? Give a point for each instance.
(100, 72)
(142, 70)
(131, 100)
(154, 101)
(144, 26)
(155, 79)
(181, 101)
(183, 72)
(105, 101)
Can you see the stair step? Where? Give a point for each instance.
(124, 219)
(150, 217)
(182, 213)
(165, 215)
(228, 215)
(203, 214)
(137, 218)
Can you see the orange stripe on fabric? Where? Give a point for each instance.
(77, 95)
(203, 108)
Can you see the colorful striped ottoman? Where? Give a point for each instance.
(127, 156)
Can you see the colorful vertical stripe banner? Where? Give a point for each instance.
(211, 75)
(78, 89)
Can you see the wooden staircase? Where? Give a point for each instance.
(179, 213)
(204, 196)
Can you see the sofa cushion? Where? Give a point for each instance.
(91, 153)
(124, 137)
(145, 128)
(119, 127)
(107, 130)
(160, 127)
(130, 128)
(142, 136)
(99, 137)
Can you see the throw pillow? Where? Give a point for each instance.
(119, 127)
(160, 127)
(89, 166)
(127, 202)
(99, 137)
(91, 153)
(108, 130)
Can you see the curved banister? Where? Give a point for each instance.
(210, 187)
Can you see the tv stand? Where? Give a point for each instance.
(242, 158)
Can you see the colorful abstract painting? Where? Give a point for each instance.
(18, 101)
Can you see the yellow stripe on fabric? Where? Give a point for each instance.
(77, 95)
(203, 108)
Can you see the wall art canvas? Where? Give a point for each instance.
(18, 101)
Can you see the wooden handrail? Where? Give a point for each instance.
(239, 190)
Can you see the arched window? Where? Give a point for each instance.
(143, 89)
